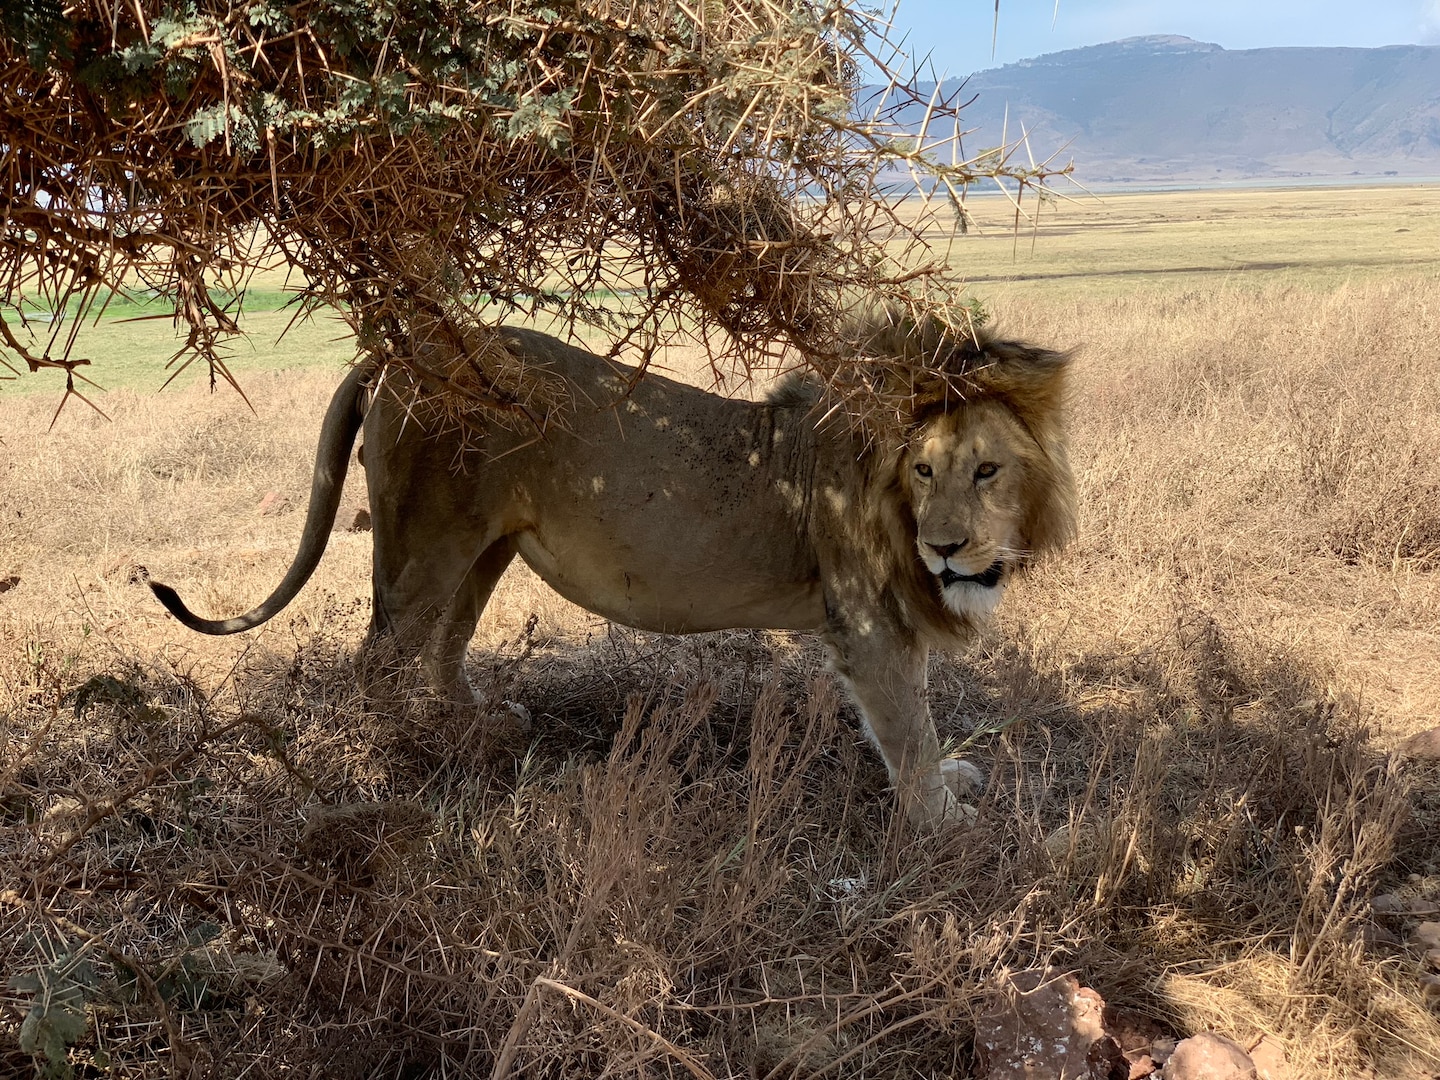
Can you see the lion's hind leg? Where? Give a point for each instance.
(443, 657)
(428, 591)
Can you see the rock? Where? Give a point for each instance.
(1209, 1056)
(8, 583)
(1043, 1025)
(1419, 905)
(1432, 959)
(1270, 1060)
(362, 521)
(1424, 745)
(1427, 934)
(520, 715)
(1430, 987)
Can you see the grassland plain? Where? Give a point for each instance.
(215, 856)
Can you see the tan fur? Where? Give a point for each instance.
(671, 509)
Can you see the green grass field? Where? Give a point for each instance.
(126, 351)
(1094, 248)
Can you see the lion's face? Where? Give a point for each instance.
(966, 472)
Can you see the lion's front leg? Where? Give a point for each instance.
(886, 677)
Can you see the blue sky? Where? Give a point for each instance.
(957, 32)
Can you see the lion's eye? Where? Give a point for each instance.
(986, 470)
(924, 470)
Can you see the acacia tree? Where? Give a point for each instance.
(644, 167)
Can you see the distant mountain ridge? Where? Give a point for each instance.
(1169, 108)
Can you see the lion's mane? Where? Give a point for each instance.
(917, 370)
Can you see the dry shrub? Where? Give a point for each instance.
(645, 169)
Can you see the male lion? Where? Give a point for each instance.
(667, 508)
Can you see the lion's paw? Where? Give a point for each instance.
(962, 777)
(947, 802)
(957, 813)
(942, 810)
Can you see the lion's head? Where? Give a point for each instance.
(974, 481)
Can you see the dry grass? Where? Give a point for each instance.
(225, 858)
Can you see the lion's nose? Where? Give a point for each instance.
(946, 550)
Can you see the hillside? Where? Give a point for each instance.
(1170, 108)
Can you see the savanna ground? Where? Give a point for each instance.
(217, 859)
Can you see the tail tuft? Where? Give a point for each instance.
(173, 604)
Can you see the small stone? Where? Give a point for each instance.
(1270, 1060)
(362, 521)
(1427, 934)
(1425, 745)
(1430, 987)
(8, 583)
(1209, 1056)
(1142, 1041)
(1432, 957)
(273, 503)
(1388, 904)
(1104, 1061)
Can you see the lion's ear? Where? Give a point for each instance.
(1031, 381)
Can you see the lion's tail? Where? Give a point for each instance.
(332, 460)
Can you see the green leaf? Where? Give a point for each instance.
(37, 26)
(57, 1018)
(205, 126)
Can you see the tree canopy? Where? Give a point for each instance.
(429, 167)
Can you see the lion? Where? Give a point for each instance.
(664, 507)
